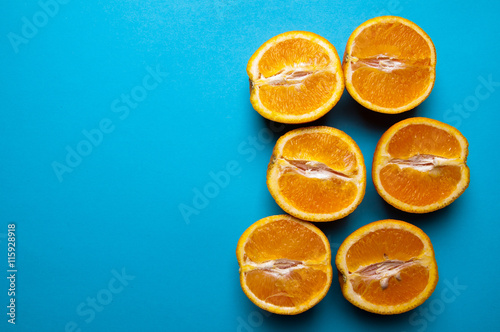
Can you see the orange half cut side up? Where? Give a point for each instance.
(389, 64)
(387, 267)
(317, 174)
(420, 166)
(295, 77)
(285, 264)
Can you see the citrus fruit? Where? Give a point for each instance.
(295, 77)
(317, 173)
(389, 64)
(285, 264)
(387, 267)
(420, 166)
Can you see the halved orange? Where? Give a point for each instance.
(285, 264)
(295, 77)
(387, 267)
(420, 166)
(317, 173)
(389, 64)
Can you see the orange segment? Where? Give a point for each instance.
(295, 77)
(322, 145)
(315, 196)
(389, 64)
(390, 91)
(292, 51)
(370, 248)
(417, 188)
(317, 174)
(387, 267)
(290, 292)
(424, 139)
(284, 238)
(392, 35)
(285, 264)
(420, 165)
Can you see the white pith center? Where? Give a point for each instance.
(314, 169)
(383, 63)
(277, 267)
(288, 76)
(422, 162)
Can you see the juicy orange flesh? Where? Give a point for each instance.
(319, 195)
(299, 98)
(324, 148)
(394, 64)
(391, 39)
(420, 188)
(423, 139)
(380, 246)
(300, 270)
(290, 289)
(284, 239)
(391, 90)
(312, 195)
(413, 281)
(416, 187)
(291, 53)
(396, 244)
(304, 95)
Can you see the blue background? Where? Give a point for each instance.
(117, 209)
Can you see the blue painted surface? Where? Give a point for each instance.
(115, 115)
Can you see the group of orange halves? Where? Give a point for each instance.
(318, 173)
